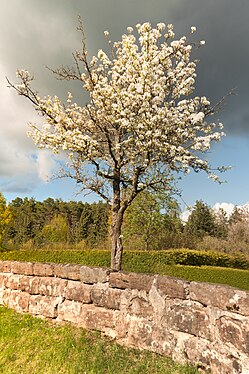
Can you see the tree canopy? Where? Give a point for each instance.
(201, 220)
(152, 222)
(141, 125)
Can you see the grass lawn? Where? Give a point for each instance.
(137, 262)
(34, 346)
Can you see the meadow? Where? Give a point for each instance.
(31, 345)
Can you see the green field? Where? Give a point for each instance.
(162, 262)
(29, 345)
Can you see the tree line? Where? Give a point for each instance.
(53, 221)
(152, 222)
(215, 230)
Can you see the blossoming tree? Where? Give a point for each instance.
(140, 127)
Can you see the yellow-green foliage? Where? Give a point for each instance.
(179, 263)
(5, 216)
(186, 257)
(90, 257)
(57, 230)
(136, 259)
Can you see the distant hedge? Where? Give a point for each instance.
(135, 260)
(185, 257)
(85, 257)
(186, 264)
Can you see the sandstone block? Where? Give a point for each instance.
(67, 271)
(5, 266)
(223, 297)
(106, 297)
(207, 356)
(158, 302)
(210, 294)
(97, 318)
(44, 305)
(141, 307)
(43, 269)
(197, 350)
(4, 296)
(131, 280)
(146, 334)
(19, 301)
(2, 280)
(70, 311)
(25, 268)
(172, 287)
(24, 283)
(52, 286)
(188, 319)
(78, 291)
(226, 366)
(1, 297)
(239, 302)
(122, 326)
(235, 332)
(34, 284)
(13, 282)
(92, 275)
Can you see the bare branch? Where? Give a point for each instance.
(220, 104)
(65, 73)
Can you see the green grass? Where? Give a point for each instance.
(231, 277)
(145, 262)
(31, 345)
(90, 257)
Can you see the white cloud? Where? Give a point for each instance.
(185, 215)
(22, 166)
(227, 207)
(45, 164)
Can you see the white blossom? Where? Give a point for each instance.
(142, 114)
(139, 88)
(161, 26)
(197, 117)
(20, 87)
(205, 101)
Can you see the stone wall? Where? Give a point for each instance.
(199, 323)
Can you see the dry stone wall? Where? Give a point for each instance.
(198, 323)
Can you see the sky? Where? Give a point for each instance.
(35, 34)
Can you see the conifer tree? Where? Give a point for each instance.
(201, 221)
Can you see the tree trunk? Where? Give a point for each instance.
(118, 210)
(116, 240)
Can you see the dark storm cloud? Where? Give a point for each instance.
(36, 33)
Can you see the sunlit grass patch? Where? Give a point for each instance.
(31, 345)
